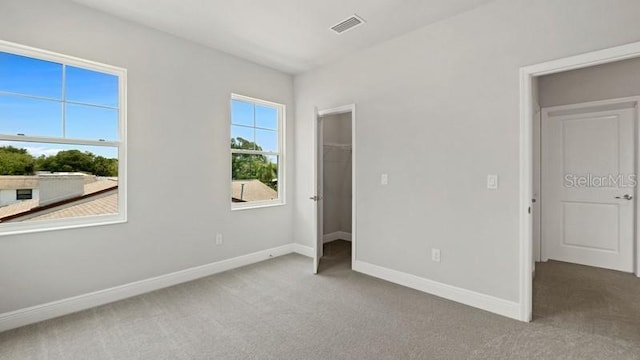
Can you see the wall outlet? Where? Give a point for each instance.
(384, 179)
(218, 239)
(492, 182)
(435, 255)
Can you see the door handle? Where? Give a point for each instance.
(625, 197)
(315, 198)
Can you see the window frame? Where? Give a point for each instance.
(20, 196)
(120, 144)
(280, 154)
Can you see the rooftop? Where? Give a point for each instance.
(92, 202)
(251, 190)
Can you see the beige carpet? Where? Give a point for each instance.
(279, 310)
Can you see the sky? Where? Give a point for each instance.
(47, 99)
(36, 100)
(256, 123)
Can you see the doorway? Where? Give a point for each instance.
(335, 188)
(570, 212)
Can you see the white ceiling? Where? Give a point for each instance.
(289, 35)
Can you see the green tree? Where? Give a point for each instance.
(14, 161)
(78, 161)
(252, 166)
(69, 161)
(103, 166)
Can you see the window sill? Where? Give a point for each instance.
(65, 224)
(256, 205)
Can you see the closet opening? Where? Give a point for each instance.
(335, 190)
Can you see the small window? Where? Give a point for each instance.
(62, 141)
(257, 160)
(24, 194)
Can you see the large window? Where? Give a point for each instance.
(62, 141)
(257, 160)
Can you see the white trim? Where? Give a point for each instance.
(351, 108)
(489, 303)
(303, 250)
(337, 111)
(282, 170)
(527, 74)
(256, 205)
(336, 235)
(74, 304)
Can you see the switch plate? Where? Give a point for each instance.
(384, 179)
(492, 182)
(218, 239)
(435, 255)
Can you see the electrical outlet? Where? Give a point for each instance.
(435, 255)
(492, 182)
(384, 179)
(218, 239)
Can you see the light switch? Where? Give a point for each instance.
(492, 182)
(384, 179)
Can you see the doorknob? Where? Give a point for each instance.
(625, 197)
(316, 198)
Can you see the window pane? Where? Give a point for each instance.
(254, 178)
(267, 140)
(242, 137)
(31, 117)
(266, 117)
(242, 113)
(91, 123)
(91, 87)
(71, 180)
(28, 76)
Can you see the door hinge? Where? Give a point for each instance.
(529, 209)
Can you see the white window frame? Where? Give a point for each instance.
(280, 154)
(121, 144)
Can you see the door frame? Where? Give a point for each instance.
(544, 115)
(318, 170)
(527, 77)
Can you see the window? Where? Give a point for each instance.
(62, 141)
(24, 194)
(257, 160)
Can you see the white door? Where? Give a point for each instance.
(318, 246)
(588, 189)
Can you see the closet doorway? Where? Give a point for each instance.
(335, 185)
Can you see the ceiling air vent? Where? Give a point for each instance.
(347, 24)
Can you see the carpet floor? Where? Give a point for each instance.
(277, 309)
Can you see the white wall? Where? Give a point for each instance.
(438, 110)
(609, 81)
(178, 141)
(8, 197)
(337, 174)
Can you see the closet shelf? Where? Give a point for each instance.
(338, 146)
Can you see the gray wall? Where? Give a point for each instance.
(179, 167)
(438, 110)
(337, 174)
(609, 81)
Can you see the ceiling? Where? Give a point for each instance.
(289, 35)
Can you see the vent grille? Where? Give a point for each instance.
(347, 24)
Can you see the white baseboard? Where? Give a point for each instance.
(481, 301)
(74, 304)
(303, 250)
(337, 235)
